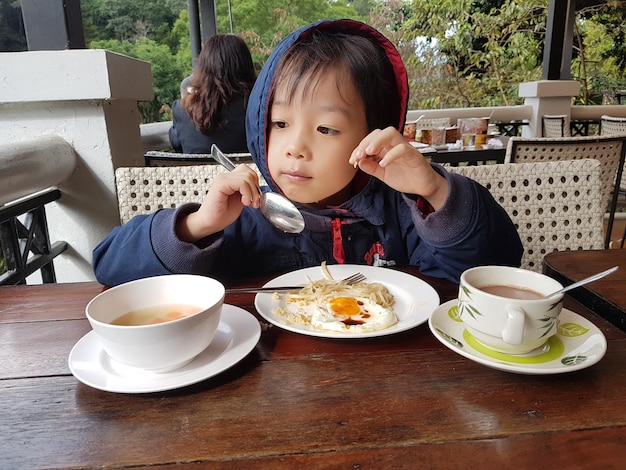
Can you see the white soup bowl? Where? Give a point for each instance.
(160, 347)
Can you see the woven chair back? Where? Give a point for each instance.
(610, 125)
(555, 125)
(555, 206)
(608, 150)
(143, 190)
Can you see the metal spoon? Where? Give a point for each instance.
(595, 277)
(279, 210)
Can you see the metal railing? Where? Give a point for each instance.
(25, 241)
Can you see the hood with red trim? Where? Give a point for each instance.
(257, 110)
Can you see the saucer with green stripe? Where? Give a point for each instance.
(578, 344)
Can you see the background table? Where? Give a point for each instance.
(470, 156)
(606, 297)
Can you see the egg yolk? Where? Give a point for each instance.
(345, 306)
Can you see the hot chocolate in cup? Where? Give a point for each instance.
(505, 310)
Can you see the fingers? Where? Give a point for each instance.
(242, 180)
(380, 148)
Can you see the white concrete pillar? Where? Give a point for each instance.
(28, 167)
(89, 98)
(547, 97)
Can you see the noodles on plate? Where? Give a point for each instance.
(329, 304)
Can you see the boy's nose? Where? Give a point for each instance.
(297, 150)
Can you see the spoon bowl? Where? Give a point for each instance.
(281, 213)
(279, 210)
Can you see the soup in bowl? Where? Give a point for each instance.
(159, 323)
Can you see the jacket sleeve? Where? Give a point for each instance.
(147, 246)
(471, 229)
(126, 254)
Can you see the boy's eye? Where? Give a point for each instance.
(327, 130)
(279, 124)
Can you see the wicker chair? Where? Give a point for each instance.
(142, 190)
(555, 206)
(555, 125)
(609, 150)
(610, 125)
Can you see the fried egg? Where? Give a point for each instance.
(352, 314)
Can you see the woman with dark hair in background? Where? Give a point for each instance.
(213, 110)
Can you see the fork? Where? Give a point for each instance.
(350, 280)
(356, 277)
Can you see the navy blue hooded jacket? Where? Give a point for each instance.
(378, 226)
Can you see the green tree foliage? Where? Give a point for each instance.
(264, 23)
(156, 31)
(463, 53)
(471, 53)
(127, 20)
(458, 52)
(600, 51)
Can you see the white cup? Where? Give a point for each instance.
(159, 347)
(503, 323)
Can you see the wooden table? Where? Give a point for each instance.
(401, 401)
(470, 156)
(606, 297)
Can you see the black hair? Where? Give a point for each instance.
(364, 60)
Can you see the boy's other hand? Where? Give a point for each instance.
(386, 155)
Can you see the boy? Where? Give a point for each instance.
(323, 127)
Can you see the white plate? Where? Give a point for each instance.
(237, 334)
(415, 300)
(577, 345)
(418, 145)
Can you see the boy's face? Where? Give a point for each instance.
(311, 139)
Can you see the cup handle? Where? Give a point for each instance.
(514, 330)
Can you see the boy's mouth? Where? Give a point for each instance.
(295, 175)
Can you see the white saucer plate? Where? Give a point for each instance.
(237, 334)
(414, 299)
(577, 345)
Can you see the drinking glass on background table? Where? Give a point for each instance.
(482, 127)
(438, 136)
(467, 128)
